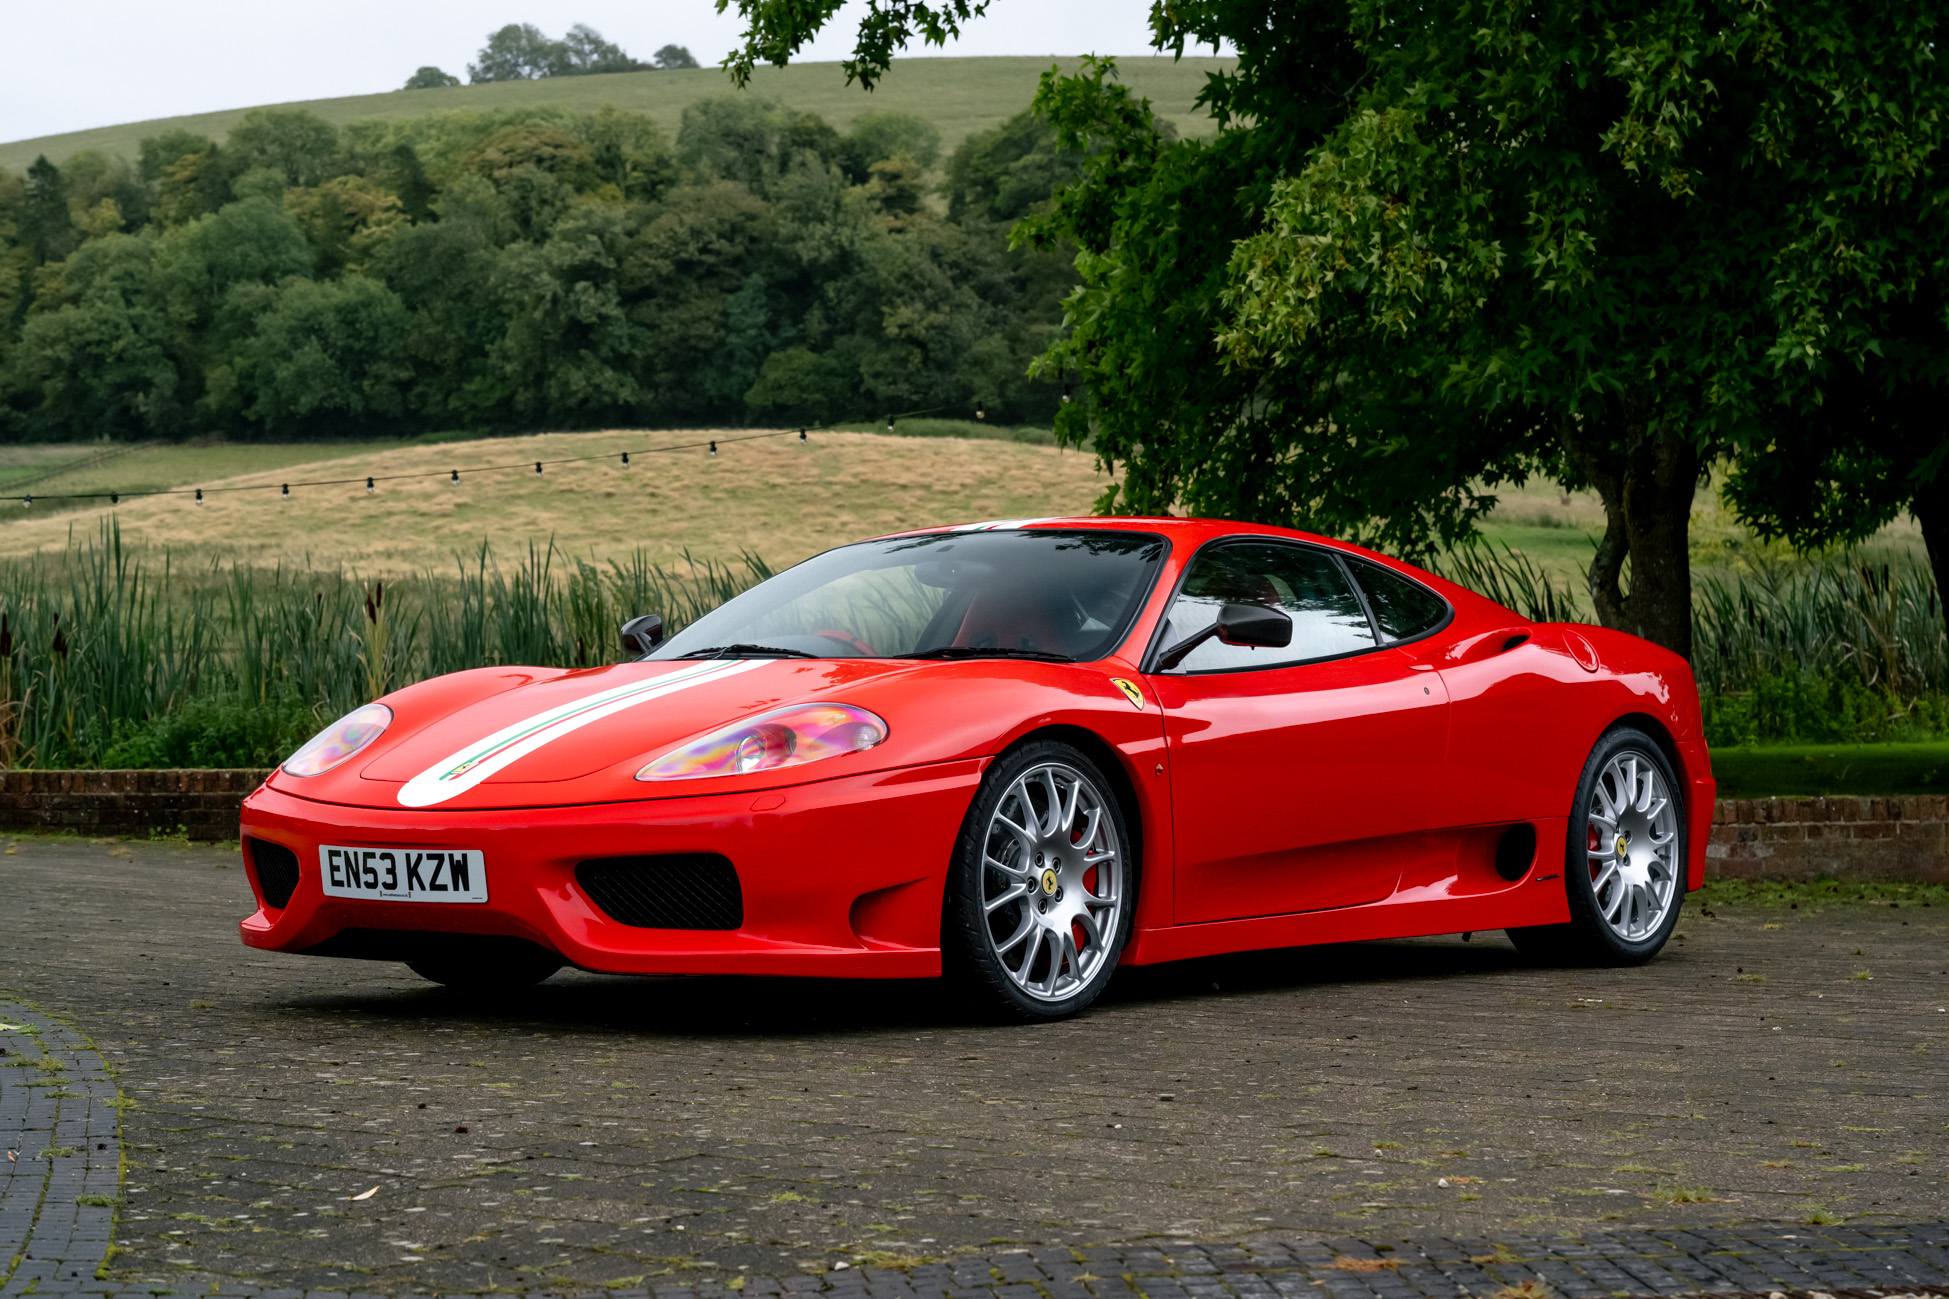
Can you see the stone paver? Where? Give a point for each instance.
(1222, 1127)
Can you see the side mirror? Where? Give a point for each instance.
(1255, 624)
(1238, 624)
(643, 634)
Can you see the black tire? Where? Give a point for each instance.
(508, 965)
(1591, 938)
(969, 929)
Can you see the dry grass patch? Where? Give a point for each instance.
(773, 498)
(1347, 1263)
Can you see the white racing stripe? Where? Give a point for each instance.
(465, 768)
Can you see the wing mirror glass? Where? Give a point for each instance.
(642, 634)
(1255, 624)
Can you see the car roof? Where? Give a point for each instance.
(1194, 531)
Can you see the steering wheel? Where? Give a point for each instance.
(849, 640)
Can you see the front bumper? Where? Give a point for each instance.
(841, 878)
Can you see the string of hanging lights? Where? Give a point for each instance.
(372, 481)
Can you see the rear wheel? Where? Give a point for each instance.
(1624, 864)
(1043, 885)
(507, 966)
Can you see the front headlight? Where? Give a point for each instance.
(785, 737)
(339, 741)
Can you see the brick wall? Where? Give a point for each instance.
(204, 803)
(1846, 838)
(1757, 838)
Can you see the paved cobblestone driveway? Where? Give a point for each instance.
(344, 1126)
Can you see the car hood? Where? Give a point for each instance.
(528, 737)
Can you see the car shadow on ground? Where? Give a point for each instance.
(703, 1006)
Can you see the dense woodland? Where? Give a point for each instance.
(522, 270)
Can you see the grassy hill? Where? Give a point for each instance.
(959, 96)
(772, 497)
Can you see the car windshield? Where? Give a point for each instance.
(1054, 594)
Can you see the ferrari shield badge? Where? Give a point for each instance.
(1130, 692)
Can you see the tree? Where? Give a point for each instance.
(671, 57)
(583, 51)
(46, 227)
(98, 347)
(325, 352)
(1856, 435)
(1436, 249)
(294, 143)
(430, 78)
(517, 52)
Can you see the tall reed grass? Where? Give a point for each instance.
(104, 650)
(113, 657)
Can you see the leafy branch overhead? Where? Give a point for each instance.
(1434, 250)
(776, 30)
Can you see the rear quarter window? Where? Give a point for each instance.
(1403, 609)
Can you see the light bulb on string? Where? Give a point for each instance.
(981, 411)
(369, 488)
(625, 459)
(713, 448)
(286, 494)
(801, 436)
(889, 423)
(454, 479)
(1065, 394)
(26, 502)
(199, 496)
(537, 468)
(114, 498)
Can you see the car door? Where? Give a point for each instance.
(1302, 777)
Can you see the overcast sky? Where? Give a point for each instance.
(74, 64)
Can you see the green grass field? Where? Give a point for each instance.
(959, 96)
(1839, 769)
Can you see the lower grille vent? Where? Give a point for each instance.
(276, 868)
(673, 891)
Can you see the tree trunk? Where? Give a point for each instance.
(1646, 478)
(1931, 510)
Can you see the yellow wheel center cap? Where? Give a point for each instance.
(1049, 881)
(1624, 845)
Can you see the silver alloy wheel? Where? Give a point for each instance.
(1052, 877)
(1631, 846)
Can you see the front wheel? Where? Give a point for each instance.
(1624, 864)
(1043, 885)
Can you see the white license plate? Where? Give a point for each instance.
(404, 874)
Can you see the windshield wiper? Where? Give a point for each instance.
(742, 651)
(996, 652)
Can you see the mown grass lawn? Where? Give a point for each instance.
(1815, 769)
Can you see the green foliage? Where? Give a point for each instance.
(775, 30)
(213, 733)
(111, 658)
(519, 52)
(669, 57)
(1441, 248)
(430, 78)
(513, 270)
(1799, 707)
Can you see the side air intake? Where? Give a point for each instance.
(276, 870)
(672, 891)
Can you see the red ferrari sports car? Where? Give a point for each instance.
(1019, 754)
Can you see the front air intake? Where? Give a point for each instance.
(276, 870)
(674, 891)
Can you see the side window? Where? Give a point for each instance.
(1306, 583)
(1404, 609)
